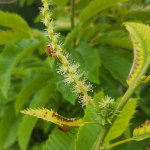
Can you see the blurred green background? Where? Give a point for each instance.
(28, 78)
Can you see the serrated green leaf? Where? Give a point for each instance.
(140, 35)
(98, 97)
(59, 140)
(88, 133)
(13, 21)
(8, 128)
(89, 61)
(11, 55)
(65, 90)
(116, 64)
(31, 88)
(122, 121)
(140, 133)
(95, 7)
(9, 36)
(29, 122)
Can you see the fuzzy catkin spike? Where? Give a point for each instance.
(51, 116)
(69, 70)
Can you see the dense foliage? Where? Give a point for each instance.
(96, 39)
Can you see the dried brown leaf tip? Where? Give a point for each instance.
(142, 129)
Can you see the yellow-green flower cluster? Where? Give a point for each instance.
(69, 70)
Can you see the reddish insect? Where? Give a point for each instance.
(63, 129)
(50, 51)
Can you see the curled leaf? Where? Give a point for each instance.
(51, 116)
(140, 36)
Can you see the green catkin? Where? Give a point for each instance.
(69, 70)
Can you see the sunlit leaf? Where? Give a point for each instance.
(13, 21)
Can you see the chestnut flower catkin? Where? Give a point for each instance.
(68, 69)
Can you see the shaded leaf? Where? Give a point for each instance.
(59, 140)
(116, 42)
(8, 127)
(12, 35)
(95, 7)
(31, 88)
(116, 64)
(89, 61)
(60, 3)
(65, 90)
(11, 55)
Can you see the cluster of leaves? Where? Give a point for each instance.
(104, 51)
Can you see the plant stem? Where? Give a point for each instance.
(118, 143)
(72, 19)
(122, 103)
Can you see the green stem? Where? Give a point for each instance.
(122, 103)
(92, 103)
(72, 19)
(132, 88)
(118, 143)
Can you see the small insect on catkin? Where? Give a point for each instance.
(50, 51)
(63, 129)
